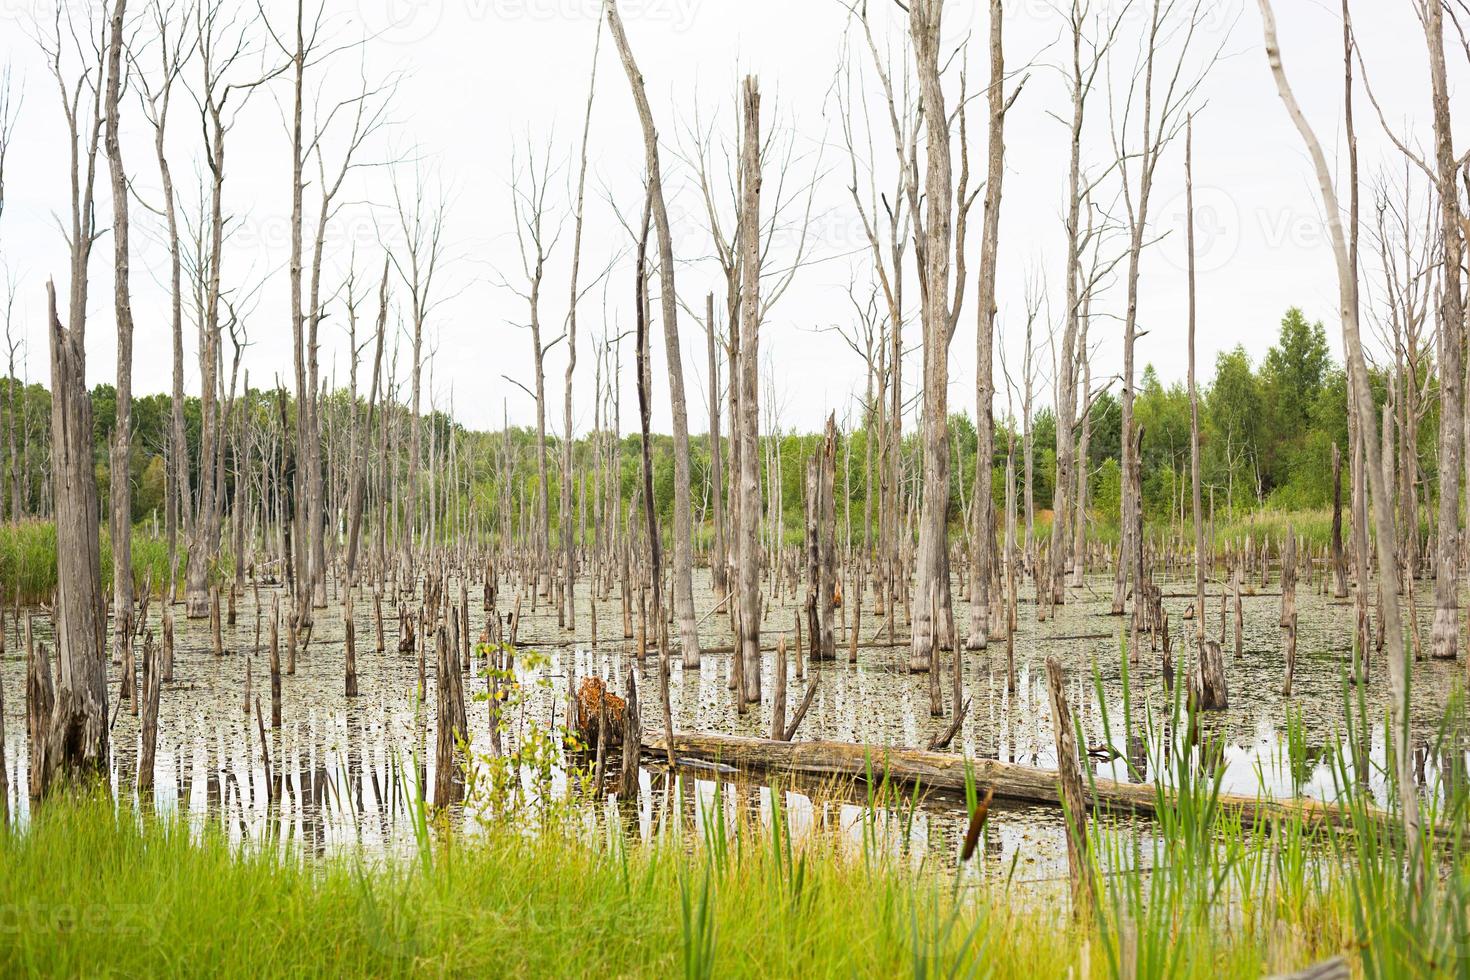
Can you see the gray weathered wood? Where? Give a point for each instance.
(1069, 778)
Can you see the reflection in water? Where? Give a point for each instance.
(350, 771)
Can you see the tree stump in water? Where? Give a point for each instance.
(1210, 691)
(451, 728)
(593, 700)
(1070, 776)
(632, 738)
(349, 643)
(152, 685)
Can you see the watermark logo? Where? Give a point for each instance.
(401, 21)
(1218, 229)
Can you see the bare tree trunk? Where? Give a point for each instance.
(4, 769)
(1194, 477)
(121, 455)
(358, 477)
(645, 401)
(1070, 517)
(568, 539)
(16, 510)
(204, 536)
(76, 737)
(1399, 667)
(1084, 447)
(821, 546)
(1339, 562)
(1445, 634)
(1129, 549)
(11, 485)
(1158, 126)
(983, 505)
(76, 724)
(530, 207)
(747, 541)
(304, 461)
(683, 521)
(156, 104)
(936, 232)
(718, 557)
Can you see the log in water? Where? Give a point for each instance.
(947, 771)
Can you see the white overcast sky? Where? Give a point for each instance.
(481, 77)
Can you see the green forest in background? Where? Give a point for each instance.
(1267, 432)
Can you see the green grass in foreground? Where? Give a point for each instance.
(90, 889)
(87, 889)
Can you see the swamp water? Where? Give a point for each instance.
(351, 768)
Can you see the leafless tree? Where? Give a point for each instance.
(747, 520)
(308, 49)
(568, 541)
(787, 216)
(172, 34)
(1155, 101)
(1196, 503)
(358, 462)
(10, 103)
(537, 234)
(122, 441)
(1444, 636)
(1405, 234)
(1385, 536)
(669, 302)
(939, 218)
(76, 740)
(888, 251)
(225, 84)
(982, 534)
(1092, 37)
(421, 213)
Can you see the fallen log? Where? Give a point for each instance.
(1334, 969)
(946, 771)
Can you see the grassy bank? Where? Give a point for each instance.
(28, 560)
(28, 548)
(88, 889)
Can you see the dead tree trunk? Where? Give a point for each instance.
(448, 778)
(1196, 504)
(4, 771)
(982, 533)
(1445, 633)
(1159, 124)
(568, 538)
(1073, 798)
(214, 93)
(645, 400)
(938, 228)
(1210, 690)
(360, 434)
(718, 558)
(668, 299)
(821, 546)
(1339, 560)
(1363, 410)
(121, 524)
(152, 688)
(76, 736)
(747, 541)
(1068, 522)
